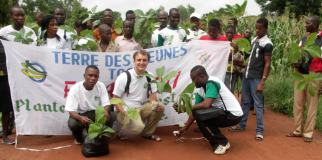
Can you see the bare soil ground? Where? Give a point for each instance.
(275, 145)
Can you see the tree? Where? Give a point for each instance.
(117, 15)
(299, 7)
(183, 14)
(190, 9)
(4, 11)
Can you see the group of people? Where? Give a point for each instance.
(135, 91)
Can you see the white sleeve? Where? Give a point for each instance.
(2, 34)
(72, 100)
(120, 84)
(104, 96)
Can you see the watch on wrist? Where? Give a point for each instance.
(264, 77)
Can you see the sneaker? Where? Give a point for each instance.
(222, 149)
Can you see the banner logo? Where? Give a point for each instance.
(34, 71)
(204, 59)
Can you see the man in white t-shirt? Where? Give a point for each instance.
(163, 19)
(195, 32)
(82, 100)
(60, 15)
(140, 96)
(172, 35)
(212, 92)
(17, 15)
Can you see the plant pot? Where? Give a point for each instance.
(95, 147)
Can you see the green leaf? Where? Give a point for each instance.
(209, 18)
(314, 86)
(312, 73)
(311, 91)
(89, 37)
(126, 121)
(310, 40)
(160, 72)
(308, 77)
(102, 120)
(170, 75)
(78, 47)
(92, 45)
(297, 76)
(67, 28)
(84, 13)
(318, 77)
(243, 44)
(160, 86)
(29, 34)
(94, 128)
(167, 88)
(148, 75)
(302, 85)
(86, 32)
(188, 104)
(93, 135)
(22, 32)
(18, 39)
(315, 51)
(14, 33)
(99, 113)
(106, 134)
(43, 33)
(109, 129)
(118, 30)
(139, 12)
(179, 104)
(96, 23)
(153, 81)
(117, 101)
(94, 9)
(190, 88)
(295, 52)
(132, 113)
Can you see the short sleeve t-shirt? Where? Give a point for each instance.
(81, 100)
(70, 43)
(138, 89)
(256, 62)
(154, 38)
(52, 43)
(229, 99)
(4, 32)
(195, 35)
(169, 36)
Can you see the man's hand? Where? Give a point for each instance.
(235, 46)
(85, 120)
(159, 105)
(122, 117)
(182, 131)
(107, 116)
(260, 88)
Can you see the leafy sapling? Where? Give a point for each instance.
(131, 113)
(20, 37)
(98, 129)
(184, 102)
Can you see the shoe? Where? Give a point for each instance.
(222, 149)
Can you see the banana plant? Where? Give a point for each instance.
(144, 27)
(21, 37)
(161, 83)
(184, 99)
(131, 114)
(307, 79)
(98, 128)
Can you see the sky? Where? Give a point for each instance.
(201, 6)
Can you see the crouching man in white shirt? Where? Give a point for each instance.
(82, 100)
(137, 95)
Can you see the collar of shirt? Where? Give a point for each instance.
(110, 46)
(130, 40)
(136, 75)
(317, 36)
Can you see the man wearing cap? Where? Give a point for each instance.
(195, 32)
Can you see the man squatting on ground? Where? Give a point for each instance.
(82, 100)
(207, 96)
(137, 98)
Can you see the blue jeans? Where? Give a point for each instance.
(249, 86)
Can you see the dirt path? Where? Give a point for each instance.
(274, 146)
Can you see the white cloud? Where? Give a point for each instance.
(201, 6)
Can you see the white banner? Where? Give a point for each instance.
(40, 78)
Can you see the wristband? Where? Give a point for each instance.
(264, 77)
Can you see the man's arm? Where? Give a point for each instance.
(76, 116)
(267, 68)
(119, 107)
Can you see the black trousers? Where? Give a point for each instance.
(210, 129)
(77, 127)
